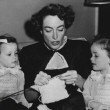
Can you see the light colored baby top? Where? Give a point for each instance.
(12, 81)
(97, 88)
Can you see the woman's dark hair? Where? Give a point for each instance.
(103, 40)
(64, 13)
(34, 25)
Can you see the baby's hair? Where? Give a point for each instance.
(104, 41)
(7, 38)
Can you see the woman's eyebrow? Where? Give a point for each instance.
(52, 27)
(60, 26)
(47, 27)
(95, 52)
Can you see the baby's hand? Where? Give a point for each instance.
(103, 107)
(42, 78)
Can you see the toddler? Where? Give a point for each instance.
(97, 86)
(11, 76)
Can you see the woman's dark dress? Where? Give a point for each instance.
(35, 57)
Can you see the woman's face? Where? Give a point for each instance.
(53, 31)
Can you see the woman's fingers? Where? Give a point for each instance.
(69, 77)
(42, 78)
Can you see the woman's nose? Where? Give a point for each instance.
(55, 35)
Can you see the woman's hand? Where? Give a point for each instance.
(79, 81)
(42, 78)
(69, 77)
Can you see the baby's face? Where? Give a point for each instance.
(99, 59)
(9, 55)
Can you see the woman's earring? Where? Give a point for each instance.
(41, 32)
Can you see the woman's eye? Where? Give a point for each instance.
(96, 56)
(60, 29)
(48, 30)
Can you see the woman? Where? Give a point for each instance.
(56, 55)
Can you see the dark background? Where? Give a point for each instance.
(104, 19)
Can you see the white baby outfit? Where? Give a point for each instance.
(97, 88)
(11, 82)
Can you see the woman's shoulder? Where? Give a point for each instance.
(78, 44)
(78, 41)
(30, 49)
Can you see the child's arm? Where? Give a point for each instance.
(98, 106)
(21, 82)
(87, 90)
(88, 94)
(92, 104)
